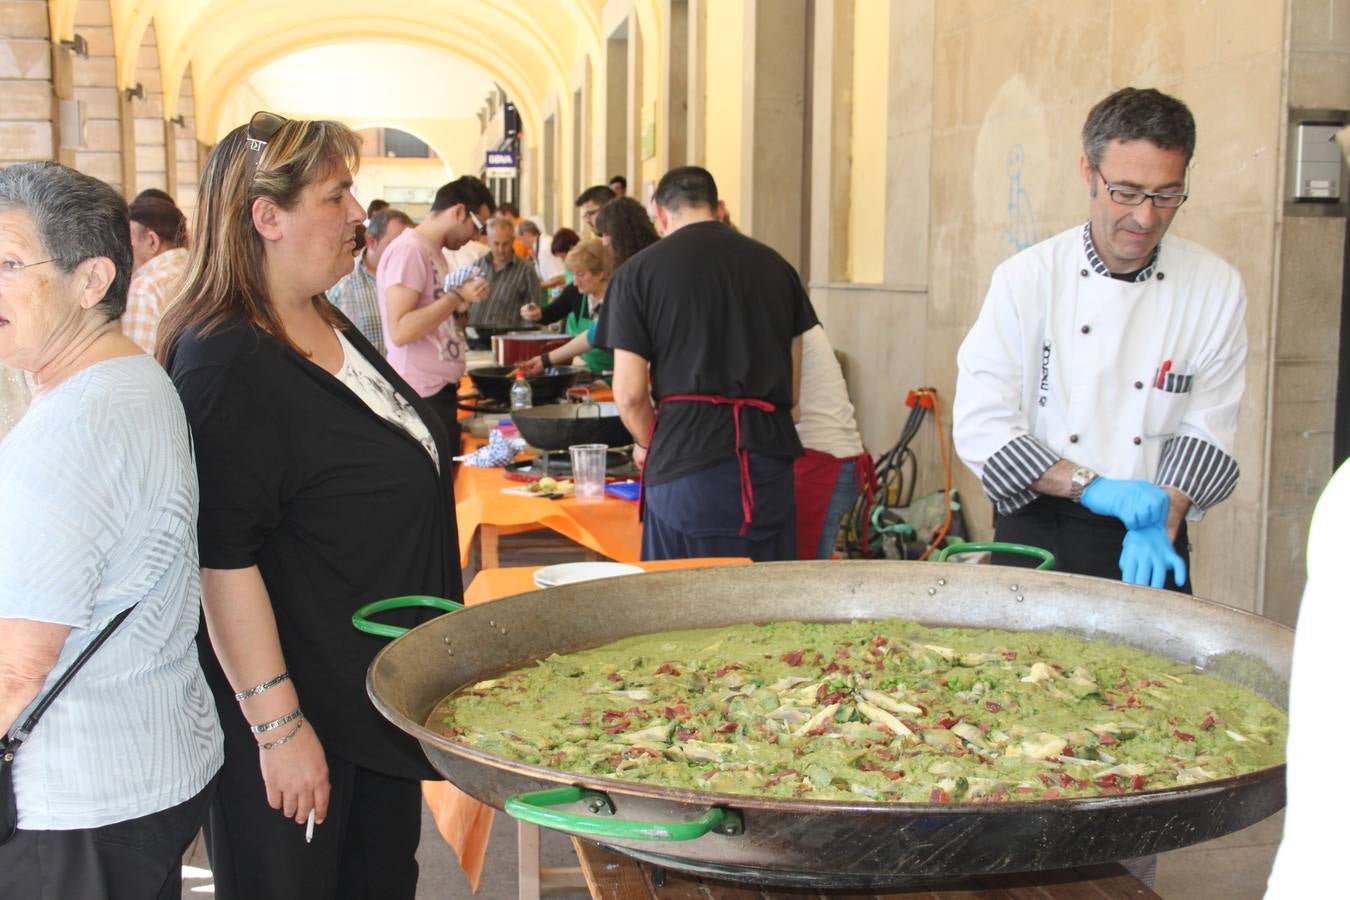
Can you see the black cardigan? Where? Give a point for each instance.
(336, 506)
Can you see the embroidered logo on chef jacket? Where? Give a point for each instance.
(1045, 375)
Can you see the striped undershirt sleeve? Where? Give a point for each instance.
(1014, 467)
(1198, 469)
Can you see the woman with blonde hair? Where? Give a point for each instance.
(324, 485)
(589, 263)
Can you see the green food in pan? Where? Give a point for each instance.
(878, 710)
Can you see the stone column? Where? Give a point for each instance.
(633, 137)
(831, 122)
(774, 124)
(674, 120)
(696, 153)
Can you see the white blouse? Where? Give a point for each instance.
(366, 382)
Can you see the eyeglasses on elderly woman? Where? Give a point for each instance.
(11, 269)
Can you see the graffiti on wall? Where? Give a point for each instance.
(1021, 232)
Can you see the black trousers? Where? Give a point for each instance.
(366, 848)
(1083, 542)
(700, 515)
(139, 859)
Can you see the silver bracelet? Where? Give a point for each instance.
(276, 723)
(260, 688)
(284, 738)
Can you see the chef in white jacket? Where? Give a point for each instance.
(1098, 391)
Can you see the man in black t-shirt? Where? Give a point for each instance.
(718, 317)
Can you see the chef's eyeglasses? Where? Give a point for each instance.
(261, 128)
(1128, 196)
(482, 229)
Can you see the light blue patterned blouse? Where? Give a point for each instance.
(98, 510)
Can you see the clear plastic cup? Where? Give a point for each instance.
(588, 471)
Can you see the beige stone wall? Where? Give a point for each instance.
(25, 82)
(186, 175)
(987, 103)
(151, 160)
(1011, 92)
(96, 85)
(1306, 322)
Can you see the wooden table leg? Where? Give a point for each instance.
(527, 860)
(487, 547)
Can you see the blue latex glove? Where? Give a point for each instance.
(1139, 504)
(1147, 555)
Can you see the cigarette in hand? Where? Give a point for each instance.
(309, 828)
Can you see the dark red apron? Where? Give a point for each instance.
(742, 454)
(814, 477)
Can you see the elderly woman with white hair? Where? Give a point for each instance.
(98, 553)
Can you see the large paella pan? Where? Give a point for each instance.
(837, 843)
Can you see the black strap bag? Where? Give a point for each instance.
(9, 747)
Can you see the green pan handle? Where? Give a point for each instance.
(534, 809)
(1045, 556)
(361, 620)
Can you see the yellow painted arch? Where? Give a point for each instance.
(468, 23)
(227, 78)
(360, 124)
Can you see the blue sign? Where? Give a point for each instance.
(501, 159)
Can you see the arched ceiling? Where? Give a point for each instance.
(529, 47)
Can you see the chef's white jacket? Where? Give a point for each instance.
(1131, 379)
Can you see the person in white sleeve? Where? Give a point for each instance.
(1098, 391)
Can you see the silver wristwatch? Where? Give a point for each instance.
(1078, 482)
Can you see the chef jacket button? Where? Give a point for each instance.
(1073, 439)
(1161, 276)
(1138, 385)
(1138, 441)
(1086, 329)
(1083, 272)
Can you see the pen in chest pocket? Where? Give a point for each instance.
(1173, 382)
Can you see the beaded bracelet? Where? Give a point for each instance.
(284, 738)
(276, 723)
(261, 688)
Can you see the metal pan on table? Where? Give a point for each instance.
(494, 382)
(818, 844)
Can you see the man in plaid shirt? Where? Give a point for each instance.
(158, 259)
(355, 294)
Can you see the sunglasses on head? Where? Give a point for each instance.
(261, 129)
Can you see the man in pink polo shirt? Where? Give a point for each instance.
(424, 341)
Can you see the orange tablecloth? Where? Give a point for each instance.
(464, 822)
(610, 527)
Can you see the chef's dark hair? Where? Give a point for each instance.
(77, 217)
(1133, 114)
(466, 189)
(686, 186)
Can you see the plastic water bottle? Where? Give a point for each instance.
(522, 395)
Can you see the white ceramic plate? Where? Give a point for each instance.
(571, 573)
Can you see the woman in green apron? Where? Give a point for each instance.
(588, 262)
